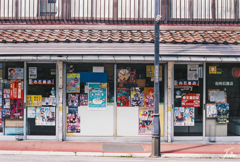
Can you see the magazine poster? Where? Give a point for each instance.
(73, 83)
(222, 112)
(189, 116)
(31, 112)
(16, 89)
(97, 96)
(211, 110)
(73, 123)
(191, 100)
(84, 99)
(73, 100)
(150, 71)
(179, 116)
(32, 72)
(126, 75)
(148, 97)
(5, 113)
(16, 109)
(45, 116)
(6, 103)
(145, 120)
(34, 100)
(72, 110)
(6, 93)
(15, 73)
(193, 72)
(123, 97)
(137, 96)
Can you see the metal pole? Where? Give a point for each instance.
(156, 121)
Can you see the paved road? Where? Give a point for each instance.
(37, 158)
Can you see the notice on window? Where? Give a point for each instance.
(34, 100)
(192, 72)
(217, 96)
(32, 72)
(211, 110)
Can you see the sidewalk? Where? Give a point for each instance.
(117, 149)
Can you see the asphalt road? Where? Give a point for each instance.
(38, 158)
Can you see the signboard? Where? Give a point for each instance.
(97, 96)
(191, 100)
(16, 89)
(34, 100)
(73, 83)
(150, 71)
(212, 69)
(186, 83)
(41, 81)
(45, 116)
(145, 120)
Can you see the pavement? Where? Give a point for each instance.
(119, 149)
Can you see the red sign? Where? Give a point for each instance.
(16, 89)
(191, 100)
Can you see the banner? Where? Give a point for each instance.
(145, 120)
(15, 73)
(123, 97)
(34, 100)
(148, 97)
(73, 83)
(16, 89)
(184, 116)
(137, 96)
(45, 116)
(97, 96)
(73, 123)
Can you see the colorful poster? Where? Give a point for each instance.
(84, 99)
(16, 89)
(73, 123)
(16, 109)
(6, 103)
(45, 116)
(211, 110)
(189, 116)
(41, 81)
(15, 73)
(123, 97)
(150, 71)
(31, 112)
(6, 93)
(72, 110)
(192, 72)
(73, 100)
(186, 83)
(48, 101)
(148, 97)
(145, 120)
(32, 72)
(34, 100)
(97, 96)
(5, 113)
(179, 116)
(184, 116)
(222, 112)
(73, 83)
(191, 100)
(0, 117)
(126, 75)
(137, 96)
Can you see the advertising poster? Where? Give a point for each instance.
(45, 116)
(137, 96)
(73, 83)
(34, 100)
(5, 113)
(73, 123)
(6, 103)
(84, 99)
(179, 116)
(31, 112)
(222, 112)
(148, 97)
(126, 76)
(73, 100)
(41, 81)
(16, 89)
(123, 97)
(97, 96)
(72, 110)
(15, 73)
(6, 93)
(211, 110)
(189, 116)
(0, 116)
(145, 120)
(32, 72)
(191, 100)
(16, 109)
(192, 72)
(150, 71)
(48, 101)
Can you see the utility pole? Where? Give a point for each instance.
(156, 121)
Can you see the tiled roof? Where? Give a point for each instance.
(109, 36)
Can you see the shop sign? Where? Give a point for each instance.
(191, 100)
(186, 83)
(16, 89)
(212, 69)
(34, 100)
(184, 116)
(41, 81)
(222, 112)
(97, 96)
(150, 71)
(145, 120)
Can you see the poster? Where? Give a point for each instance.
(41, 81)
(31, 112)
(211, 110)
(126, 76)
(184, 116)
(45, 116)
(150, 71)
(16, 89)
(137, 96)
(97, 95)
(72, 110)
(6, 93)
(48, 101)
(215, 95)
(73, 100)
(123, 97)
(16, 109)
(5, 113)
(148, 97)
(191, 100)
(15, 73)
(34, 100)
(32, 72)
(179, 116)
(192, 72)
(189, 116)
(73, 123)
(0, 116)
(84, 99)
(6, 103)
(222, 112)
(145, 120)
(73, 83)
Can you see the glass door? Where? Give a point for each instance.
(188, 100)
